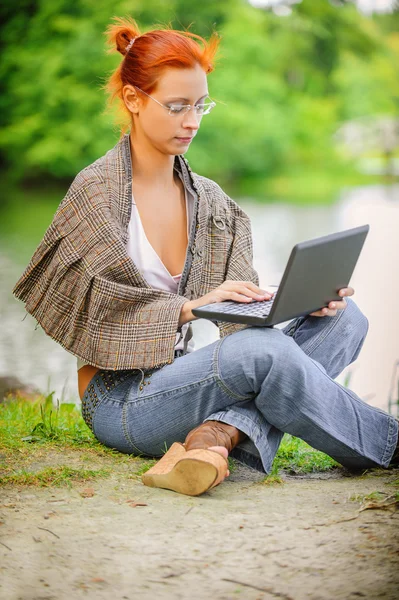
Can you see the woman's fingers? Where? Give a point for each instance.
(242, 291)
(349, 291)
(239, 297)
(331, 310)
(324, 312)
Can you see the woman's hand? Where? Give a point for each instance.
(240, 291)
(334, 306)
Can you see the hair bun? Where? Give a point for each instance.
(121, 35)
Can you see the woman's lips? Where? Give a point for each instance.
(184, 140)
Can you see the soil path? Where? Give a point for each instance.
(115, 539)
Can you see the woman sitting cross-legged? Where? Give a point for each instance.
(137, 243)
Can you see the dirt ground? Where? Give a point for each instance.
(117, 539)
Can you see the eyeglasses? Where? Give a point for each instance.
(182, 109)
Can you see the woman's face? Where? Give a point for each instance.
(170, 134)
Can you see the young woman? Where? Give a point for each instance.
(139, 241)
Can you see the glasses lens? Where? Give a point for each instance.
(205, 109)
(178, 109)
(200, 109)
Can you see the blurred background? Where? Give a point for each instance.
(305, 138)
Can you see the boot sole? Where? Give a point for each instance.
(189, 476)
(191, 472)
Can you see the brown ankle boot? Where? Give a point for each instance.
(214, 433)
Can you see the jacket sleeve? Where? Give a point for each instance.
(239, 265)
(85, 292)
(129, 327)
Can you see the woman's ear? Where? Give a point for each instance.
(131, 98)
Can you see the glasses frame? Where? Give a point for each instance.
(185, 107)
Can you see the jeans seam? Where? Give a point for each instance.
(390, 446)
(391, 420)
(218, 378)
(126, 432)
(93, 417)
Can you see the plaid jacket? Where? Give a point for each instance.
(88, 295)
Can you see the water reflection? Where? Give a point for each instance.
(33, 357)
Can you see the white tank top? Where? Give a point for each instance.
(150, 265)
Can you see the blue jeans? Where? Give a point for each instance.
(264, 381)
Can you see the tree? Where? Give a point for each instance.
(283, 85)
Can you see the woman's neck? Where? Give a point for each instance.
(150, 167)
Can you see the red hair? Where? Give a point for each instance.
(150, 55)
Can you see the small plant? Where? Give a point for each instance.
(41, 422)
(347, 378)
(373, 496)
(232, 465)
(377, 501)
(273, 477)
(54, 423)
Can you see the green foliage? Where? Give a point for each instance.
(283, 86)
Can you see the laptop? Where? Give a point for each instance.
(316, 270)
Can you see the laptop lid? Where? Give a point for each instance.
(316, 270)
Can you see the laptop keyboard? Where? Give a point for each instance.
(255, 308)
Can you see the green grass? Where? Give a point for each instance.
(371, 497)
(274, 477)
(378, 500)
(53, 476)
(378, 496)
(297, 457)
(35, 436)
(40, 422)
(145, 467)
(33, 430)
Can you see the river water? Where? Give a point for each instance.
(34, 358)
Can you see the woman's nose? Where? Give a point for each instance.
(191, 119)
